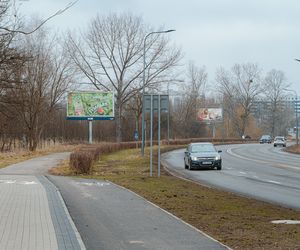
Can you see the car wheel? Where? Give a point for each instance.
(274, 145)
(189, 166)
(219, 167)
(185, 166)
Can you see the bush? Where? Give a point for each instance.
(81, 162)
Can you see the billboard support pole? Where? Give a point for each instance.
(90, 121)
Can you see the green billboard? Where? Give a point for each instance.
(93, 105)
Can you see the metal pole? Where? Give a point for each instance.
(158, 163)
(168, 114)
(151, 133)
(296, 113)
(143, 100)
(297, 132)
(144, 83)
(90, 131)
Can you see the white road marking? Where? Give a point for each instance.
(27, 183)
(99, 184)
(286, 222)
(275, 182)
(8, 181)
(21, 182)
(136, 242)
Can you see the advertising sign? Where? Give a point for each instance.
(93, 105)
(209, 114)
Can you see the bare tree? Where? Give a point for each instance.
(193, 95)
(38, 85)
(239, 88)
(110, 56)
(275, 91)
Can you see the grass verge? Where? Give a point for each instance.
(238, 222)
(293, 149)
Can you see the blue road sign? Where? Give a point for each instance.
(136, 135)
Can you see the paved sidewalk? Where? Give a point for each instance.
(32, 213)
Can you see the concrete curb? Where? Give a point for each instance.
(78, 237)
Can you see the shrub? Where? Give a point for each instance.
(81, 162)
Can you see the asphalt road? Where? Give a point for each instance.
(260, 171)
(110, 217)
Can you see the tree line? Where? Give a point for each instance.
(38, 68)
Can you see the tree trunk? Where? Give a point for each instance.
(118, 121)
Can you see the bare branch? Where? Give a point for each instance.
(59, 12)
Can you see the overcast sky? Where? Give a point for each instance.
(211, 33)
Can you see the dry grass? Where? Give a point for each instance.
(239, 222)
(294, 149)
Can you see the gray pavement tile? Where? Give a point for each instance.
(25, 220)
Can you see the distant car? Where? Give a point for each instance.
(279, 141)
(202, 155)
(265, 139)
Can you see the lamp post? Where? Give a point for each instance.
(296, 111)
(144, 83)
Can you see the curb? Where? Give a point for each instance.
(78, 237)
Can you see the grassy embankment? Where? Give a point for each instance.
(238, 222)
(294, 149)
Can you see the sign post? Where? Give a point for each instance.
(90, 121)
(156, 103)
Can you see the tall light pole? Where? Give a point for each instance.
(296, 106)
(296, 111)
(144, 83)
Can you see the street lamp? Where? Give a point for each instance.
(144, 83)
(296, 111)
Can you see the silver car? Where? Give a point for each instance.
(279, 141)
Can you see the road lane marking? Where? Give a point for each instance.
(20, 182)
(280, 165)
(275, 182)
(8, 181)
(136, 242)
(290, 222)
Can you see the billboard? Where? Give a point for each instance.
(93, 105)
(209, 114)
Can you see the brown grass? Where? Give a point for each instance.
(294, 149)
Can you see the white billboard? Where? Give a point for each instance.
(209, 114)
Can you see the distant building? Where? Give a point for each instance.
(261, 106)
